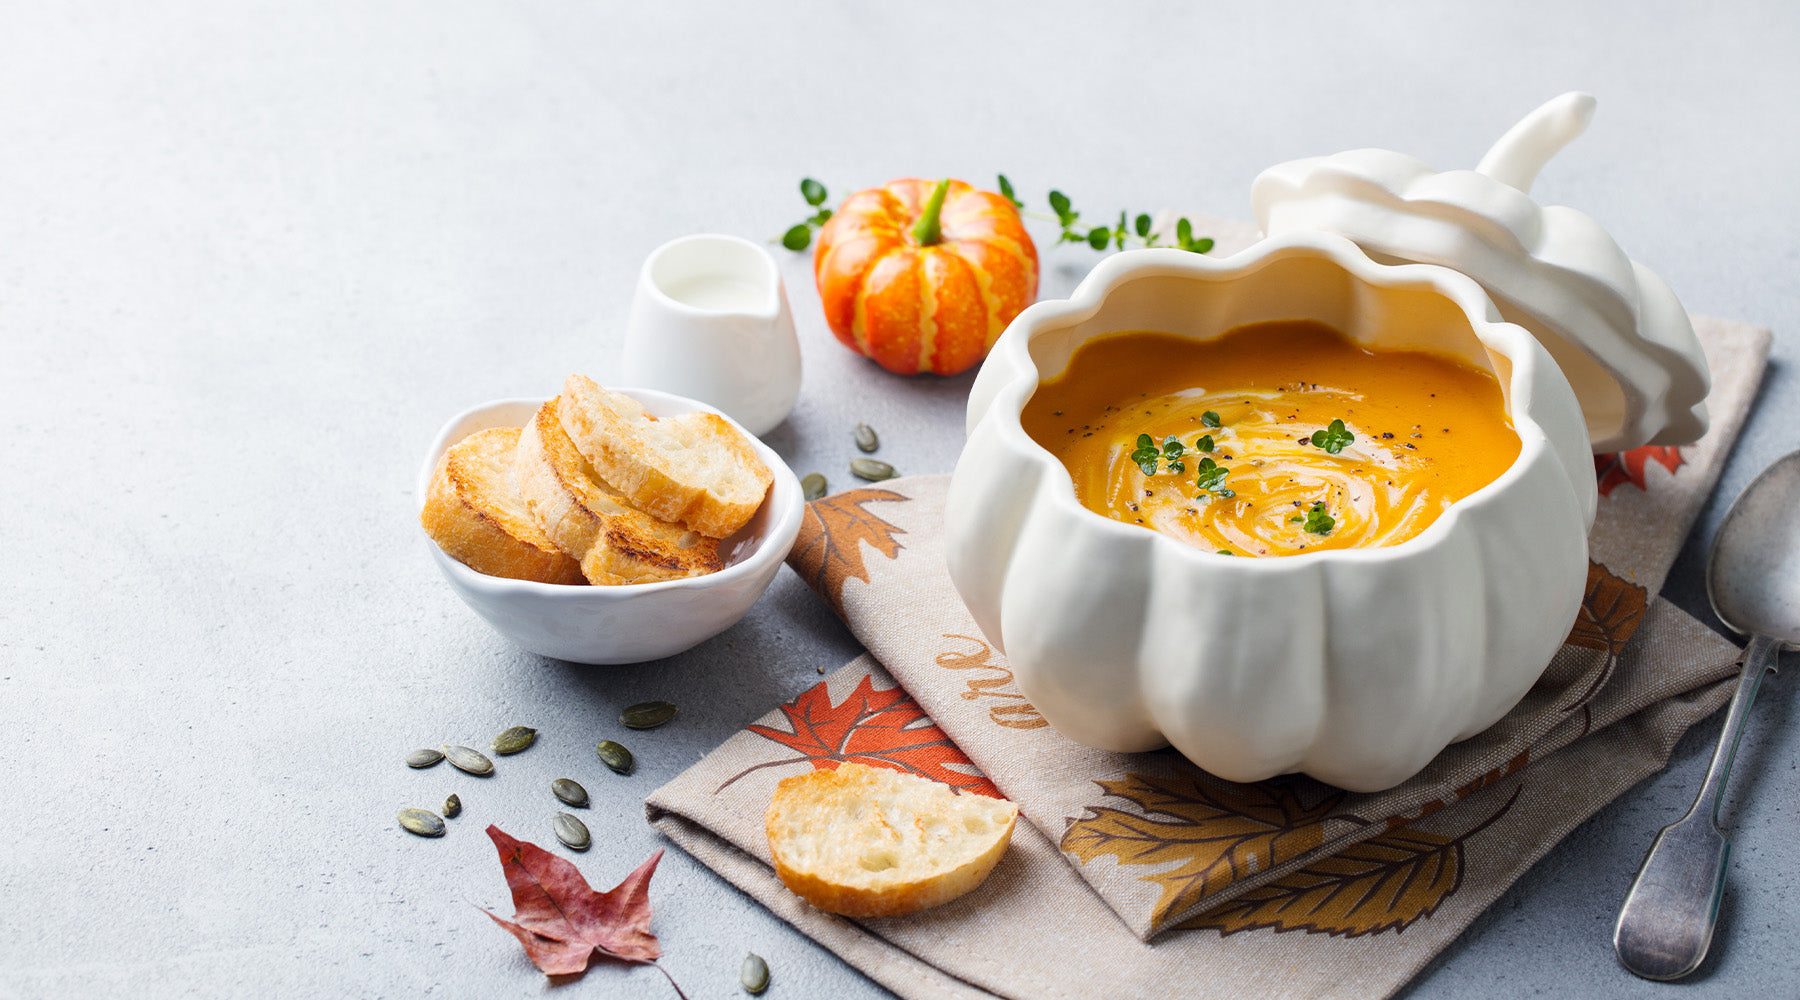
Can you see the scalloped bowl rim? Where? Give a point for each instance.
(1506, 339)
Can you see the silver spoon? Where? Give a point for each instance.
(1753, 580)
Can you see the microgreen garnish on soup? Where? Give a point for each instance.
(1318, 521)
(1204, 444)
(1333, 438)
(1147, 454)
(1211, 419)
(1211, 476)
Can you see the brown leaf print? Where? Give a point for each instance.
(1617, 468)
(829, 548)
(877, 727)
(1203, 835)
(1610, 611)
(1385, 883)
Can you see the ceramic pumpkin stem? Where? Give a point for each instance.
(927, 231)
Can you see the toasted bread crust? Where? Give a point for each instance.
(695, 468)
(473, 514)
(871, 842)
(592, 522)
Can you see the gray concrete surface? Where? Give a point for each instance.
(253, 254)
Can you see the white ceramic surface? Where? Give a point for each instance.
(1618, 331)
(710, 321)
(626, 624)
(1356, 666)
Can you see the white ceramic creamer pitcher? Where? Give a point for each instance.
(710, 321)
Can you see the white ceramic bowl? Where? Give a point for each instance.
(636, 622)
(1353, 665)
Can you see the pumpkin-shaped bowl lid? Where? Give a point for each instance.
(1616, 329)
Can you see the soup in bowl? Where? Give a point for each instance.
(1294, 510)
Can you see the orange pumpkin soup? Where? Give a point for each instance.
(1272, 439)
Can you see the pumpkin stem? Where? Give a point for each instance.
(927, 230)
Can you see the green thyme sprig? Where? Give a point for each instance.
(799, 236)
(1318, 521)
(1210, 477)
(1135, 230)
(1148, 454)
(1334, 438)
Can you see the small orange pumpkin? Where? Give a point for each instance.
(923, 277)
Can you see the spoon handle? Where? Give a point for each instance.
(1667, 921)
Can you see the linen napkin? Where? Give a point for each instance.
(1135, 870)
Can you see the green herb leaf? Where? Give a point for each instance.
(812, 191)
(1143, 225)
(1006, 191)
(1146, 454)
(1059, 203)
(1204, 444)
(798, 237)
(1317, 521)
(1184, 232)
(1333, 438)
(1226, 552)
(1211, 475)
(1211, 419)
(1098, 237)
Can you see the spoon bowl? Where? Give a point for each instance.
(1753, 573)
(1666, 924)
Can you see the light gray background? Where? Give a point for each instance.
(252, 255)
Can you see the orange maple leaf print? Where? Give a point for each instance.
(829, 549)
(1619, 467)
(880, 728)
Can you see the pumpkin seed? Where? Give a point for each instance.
(615, 756)
(514, 740)
(471, 761)
(452, 807)
(813, 486)
(754, 975)
(571, 831)
(570, 792)
(866, 438)
(871, 469)
(647, 715)
(423, 822)
(423, 758)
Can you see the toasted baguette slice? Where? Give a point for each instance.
(694, 468)
(870, 842)
(615, 542)
(473, 513)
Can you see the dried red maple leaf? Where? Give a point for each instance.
(562, 921)
(880, 728)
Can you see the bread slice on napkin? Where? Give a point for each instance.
(473, 513)
(588, 519)
(695, 468)
(871, 842)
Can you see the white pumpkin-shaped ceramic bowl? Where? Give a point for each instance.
(1356, 666)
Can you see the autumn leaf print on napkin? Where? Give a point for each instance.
(877, 727)
(832, 534)
(1614, 469)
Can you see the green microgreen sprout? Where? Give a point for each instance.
(1211, 419)
(1204, 444)
(1226, 552)
(1148, 454)
(800, 235)
(1130, 229)
(1211, 478)
(1334, 438)
(1318, 521)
